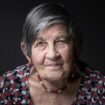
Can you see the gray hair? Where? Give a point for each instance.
(43, 16)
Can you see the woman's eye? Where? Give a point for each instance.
(62, 40)
(40, 44)
(61, 43)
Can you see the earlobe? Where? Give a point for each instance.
(30, 61)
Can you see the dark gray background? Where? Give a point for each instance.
(92, 21)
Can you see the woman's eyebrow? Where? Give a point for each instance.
(39, 38)
(65, 35)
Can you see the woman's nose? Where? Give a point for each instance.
(52, 53)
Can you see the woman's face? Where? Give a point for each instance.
(52, 53)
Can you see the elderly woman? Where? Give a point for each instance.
(54, 75)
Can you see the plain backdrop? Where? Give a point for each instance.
(92, 22)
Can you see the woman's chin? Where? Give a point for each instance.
(54, 76)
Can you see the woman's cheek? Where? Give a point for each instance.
(37, 57)
(67, 53)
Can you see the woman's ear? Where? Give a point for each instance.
(24, 50)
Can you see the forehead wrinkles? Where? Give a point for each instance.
(54, 31)
(52, 36)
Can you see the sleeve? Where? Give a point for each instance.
(5, 90)
(99, 95)
(101, 91)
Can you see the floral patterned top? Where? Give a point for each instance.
(14, 88)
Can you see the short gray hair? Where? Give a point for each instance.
(43, 16)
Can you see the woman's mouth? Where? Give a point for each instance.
(55, 66)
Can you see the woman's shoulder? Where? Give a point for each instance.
(11, 77)
(90, 72)
(93, 80)
(14, 85)
(92, 86)
(19, 71)
(96, 78)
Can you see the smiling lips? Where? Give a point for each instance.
(54, 66)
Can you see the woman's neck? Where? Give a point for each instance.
(53, 86)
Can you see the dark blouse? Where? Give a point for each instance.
(14, 87)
